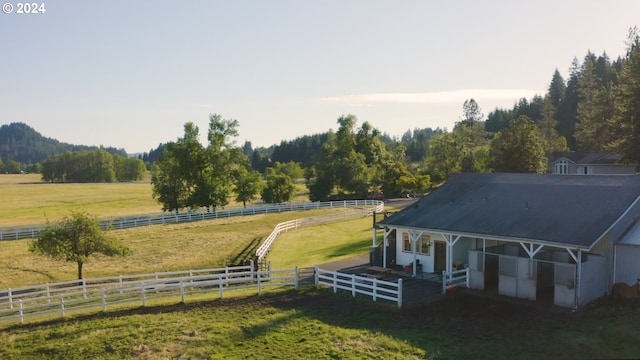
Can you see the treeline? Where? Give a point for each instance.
(91, 166)
(22, 148)
(191, 175)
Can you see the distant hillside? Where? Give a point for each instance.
(20, 142)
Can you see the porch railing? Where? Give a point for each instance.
(454, 279)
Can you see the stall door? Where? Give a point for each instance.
(440, 257)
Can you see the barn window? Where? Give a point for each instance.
(423, 245)
(406, 242)
(561, 167)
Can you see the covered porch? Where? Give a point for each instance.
(551, 273)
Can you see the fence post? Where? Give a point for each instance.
(353, 285)
(259, 283)
(182, 291)
(296, 278)
(144, 298)
(316, 275)
(335, 281)
(21, 312)
(84, 288)
(444, 282)
(104, 301)
(399, 293)
(10, 298)
(62, 304)
(466, 272)
(48, 293)
(375, 289)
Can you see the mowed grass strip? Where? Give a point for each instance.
(318, 244)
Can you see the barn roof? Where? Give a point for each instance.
(568, 210)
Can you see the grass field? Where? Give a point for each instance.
(305, 324)
(28, 201)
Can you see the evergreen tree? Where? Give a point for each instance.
(626, 122)
(518, 148)
(595, 109)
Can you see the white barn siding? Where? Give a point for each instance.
(526, 279)
(627, 263)
(593, 282)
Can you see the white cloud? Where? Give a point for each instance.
(434, 97)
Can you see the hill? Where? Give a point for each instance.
(20, 142)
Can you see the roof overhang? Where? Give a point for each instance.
(490, 237)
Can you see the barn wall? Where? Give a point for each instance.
(593, 280)
(627, 264)
(564, 293)
(461, 249)
(406, 257)
(526, 282)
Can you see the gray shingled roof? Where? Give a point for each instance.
(568, 210)
(586, 158)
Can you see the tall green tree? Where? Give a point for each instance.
(75, 239)
(595, 109)
(279, 187)
(248, 185)
(179, 170)
(350, 162)
(445, 156)
(518, 148)
(551, 139)
(626, 121)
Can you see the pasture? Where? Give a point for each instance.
(26, 200)
(306, 324)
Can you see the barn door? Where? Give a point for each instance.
(440, 257)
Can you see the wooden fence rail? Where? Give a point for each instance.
(454, 279)
(377, 289)
(32, 231)
(375, 206)
(62, 297)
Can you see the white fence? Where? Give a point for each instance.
(31, 231)
(454, 279)
(377, 289)
(62, 297)
(377, 206)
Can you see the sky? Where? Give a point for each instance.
(130, 74)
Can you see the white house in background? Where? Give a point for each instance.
(556, 239)
(583, 163)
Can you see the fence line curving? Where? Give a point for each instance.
(125, 222)
(265, 247)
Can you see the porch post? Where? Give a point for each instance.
(578, 277)
(414, 241)
(577, 258)
(450, 242)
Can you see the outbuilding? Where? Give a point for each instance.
(558, 239)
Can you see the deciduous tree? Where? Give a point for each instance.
(75, 239)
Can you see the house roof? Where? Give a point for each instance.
(567, 210)
(587, 158)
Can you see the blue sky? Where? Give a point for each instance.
(129, 74)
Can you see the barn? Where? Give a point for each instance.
(557, 239)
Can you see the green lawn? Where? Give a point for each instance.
(287, 324)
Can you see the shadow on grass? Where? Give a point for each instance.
(356, 247)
